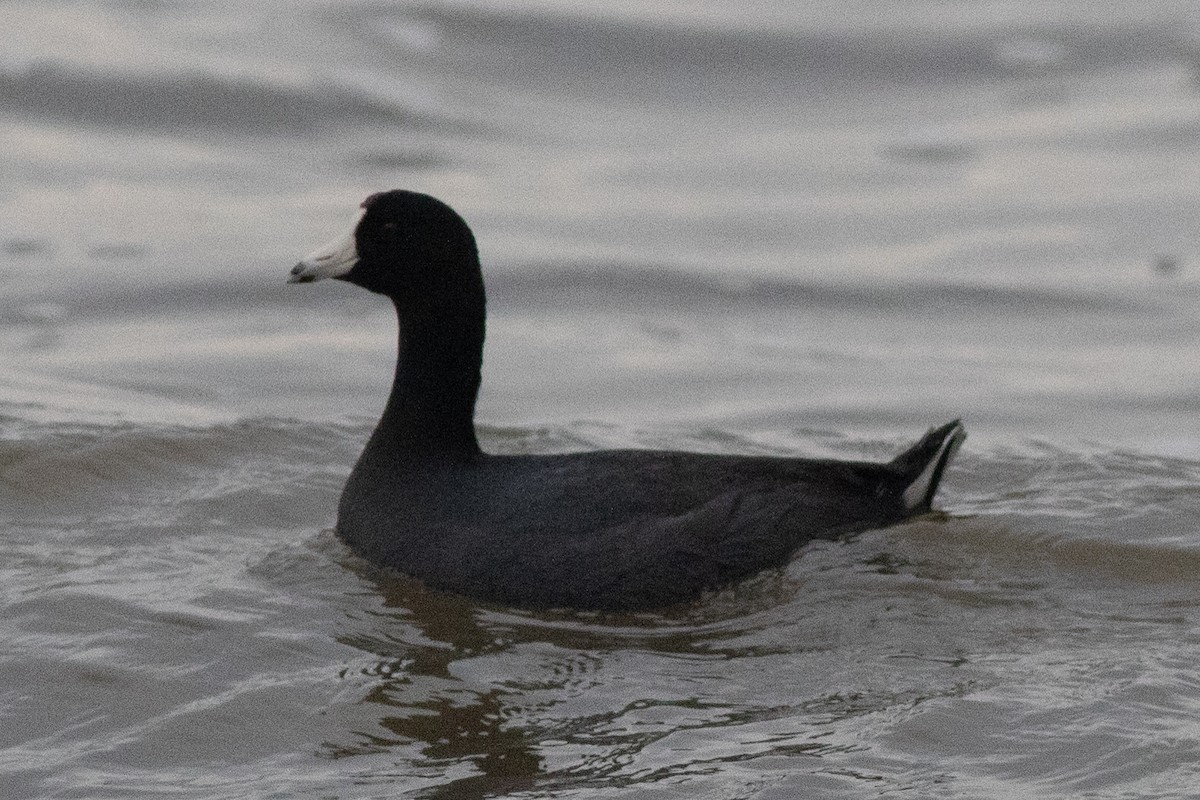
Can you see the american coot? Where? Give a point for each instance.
(613, 529)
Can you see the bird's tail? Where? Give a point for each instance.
(920, 467)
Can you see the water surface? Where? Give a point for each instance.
(751, 230)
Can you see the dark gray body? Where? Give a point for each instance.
(603, 530)
(619, 529)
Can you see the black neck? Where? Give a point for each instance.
(430, 414)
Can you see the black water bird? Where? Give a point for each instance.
(611, 529)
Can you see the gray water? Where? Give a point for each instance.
(751, 228)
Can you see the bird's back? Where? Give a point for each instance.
(607, 529)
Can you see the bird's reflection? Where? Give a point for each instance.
(454, 724)
(427, 641)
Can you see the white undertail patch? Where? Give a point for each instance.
(918, 491)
